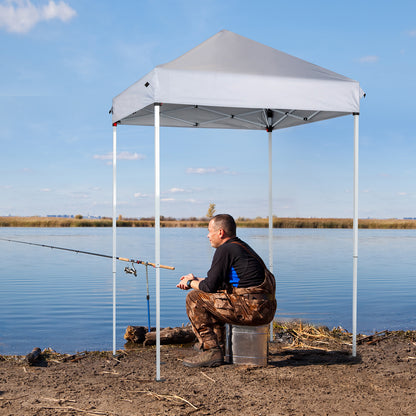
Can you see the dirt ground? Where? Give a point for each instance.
(300, 379)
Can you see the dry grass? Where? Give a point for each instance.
(392, 223)
(203, 222)
(84, 222)
(298, 334)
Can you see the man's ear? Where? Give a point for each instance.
(221, 232)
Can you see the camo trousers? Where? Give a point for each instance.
(209, 312)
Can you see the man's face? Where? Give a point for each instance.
(214, 234)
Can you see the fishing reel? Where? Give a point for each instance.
(131, 270)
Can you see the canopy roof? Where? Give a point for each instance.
(230, 81)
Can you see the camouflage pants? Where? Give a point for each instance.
(209, 312)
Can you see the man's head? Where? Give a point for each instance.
(220, 229)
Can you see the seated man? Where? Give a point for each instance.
(238, 289)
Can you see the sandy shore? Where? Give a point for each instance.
(300, 379)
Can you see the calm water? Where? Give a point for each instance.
(63, 300)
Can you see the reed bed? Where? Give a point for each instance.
(302, 335)
(203, 222)
(297, 334)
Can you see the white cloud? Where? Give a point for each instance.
(130, 156)
(46, 190)
(402, 193)
(58, 11)
(412, 33)
(140, 195)
(205, 171)
(120, 156)
(201, 171)
(175, 190)
(20, 16)
(369, 59)
(178, 191)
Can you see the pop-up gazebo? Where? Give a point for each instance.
(232, 82)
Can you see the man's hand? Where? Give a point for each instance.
(184, 280)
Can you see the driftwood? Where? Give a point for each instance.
(178, 335)
(136, 334)
(373, 338)
(34, 357)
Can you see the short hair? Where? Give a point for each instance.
(226, 222)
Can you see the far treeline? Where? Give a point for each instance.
(79, 221)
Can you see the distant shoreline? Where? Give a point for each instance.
(278, 222)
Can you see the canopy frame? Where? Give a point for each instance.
(288, 93)
(270, 227)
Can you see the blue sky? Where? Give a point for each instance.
(62, 62)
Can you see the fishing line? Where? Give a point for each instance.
(133, 261)
(127, 269)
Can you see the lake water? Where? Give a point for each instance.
(63, 300)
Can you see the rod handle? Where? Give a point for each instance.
(143, 262)
(162, 266)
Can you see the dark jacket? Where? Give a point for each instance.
(235, 264)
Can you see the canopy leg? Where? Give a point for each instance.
(355, 237)
(157, 233)
(114, 232)
(270, 217)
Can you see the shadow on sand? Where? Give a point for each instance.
(303, 357)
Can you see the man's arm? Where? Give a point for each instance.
(217, 275)
(193, 282)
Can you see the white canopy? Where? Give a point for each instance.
(233, 82)
(228, 81)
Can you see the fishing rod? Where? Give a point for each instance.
(133, 261)
(128, 270)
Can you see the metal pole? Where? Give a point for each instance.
(157, 234)
(114, 232)
(270, 217)
(270, 205)
(148, 299)
(355, 237)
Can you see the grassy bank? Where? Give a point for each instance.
(203, 222)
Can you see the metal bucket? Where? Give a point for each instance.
(247, 345)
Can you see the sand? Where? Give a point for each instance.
(300, 379)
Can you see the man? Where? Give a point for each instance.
(238, 289)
